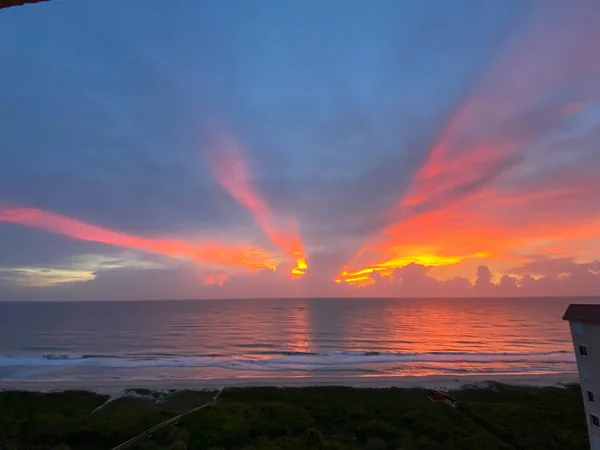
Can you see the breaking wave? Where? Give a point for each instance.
(292, 360)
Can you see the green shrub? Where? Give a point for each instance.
(178, 445)
(313, 438)
(332, 418)
(178, 434)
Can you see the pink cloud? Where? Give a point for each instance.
(204, 251)
(480, 192)
(230, 169)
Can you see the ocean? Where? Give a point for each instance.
(216, 339)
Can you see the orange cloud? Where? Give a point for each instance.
(401, 257)
(204, 252)
(456, 206)
(475, 146)
(231, 172)
(495, 225)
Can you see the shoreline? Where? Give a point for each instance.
(441, 382)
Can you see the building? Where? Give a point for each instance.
(585, 331)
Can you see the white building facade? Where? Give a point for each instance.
(585, 331)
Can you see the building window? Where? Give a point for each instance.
(590, 396)
(577, 328)
(583, 350)
(595, 421)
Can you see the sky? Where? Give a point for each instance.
(224, 149)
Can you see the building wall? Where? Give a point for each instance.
(588, 334)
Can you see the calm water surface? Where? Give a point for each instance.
(282, 338)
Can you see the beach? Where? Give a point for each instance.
(446, 383)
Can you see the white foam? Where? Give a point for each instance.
(299, 361)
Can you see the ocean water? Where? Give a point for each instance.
(165, 340)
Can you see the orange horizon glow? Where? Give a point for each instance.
(231, 172)
(455, 207)
(205, 252)
(471, 230)
(424, 257)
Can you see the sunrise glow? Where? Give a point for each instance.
(204, 252)
(231, 171)
(273, 162)
(460, 201)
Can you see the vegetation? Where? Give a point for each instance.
(500, 417)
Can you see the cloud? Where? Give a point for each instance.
(230, 170)
(184, 280)
(44, 277)
(554, 267)
(483, 283)
(202, 251)
(354, 149)
(414, 281)
(493, 137)
(78, 269)
(489, 132)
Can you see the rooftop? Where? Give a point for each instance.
(9, 3)
(582, 313)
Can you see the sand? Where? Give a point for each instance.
(112, 387)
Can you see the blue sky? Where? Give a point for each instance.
(107, 110)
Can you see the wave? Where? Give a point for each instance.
(291, 360)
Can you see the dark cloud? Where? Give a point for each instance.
(554, 267)
(414, 281)
(484, 278)
(185, 281)
(509, 286)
